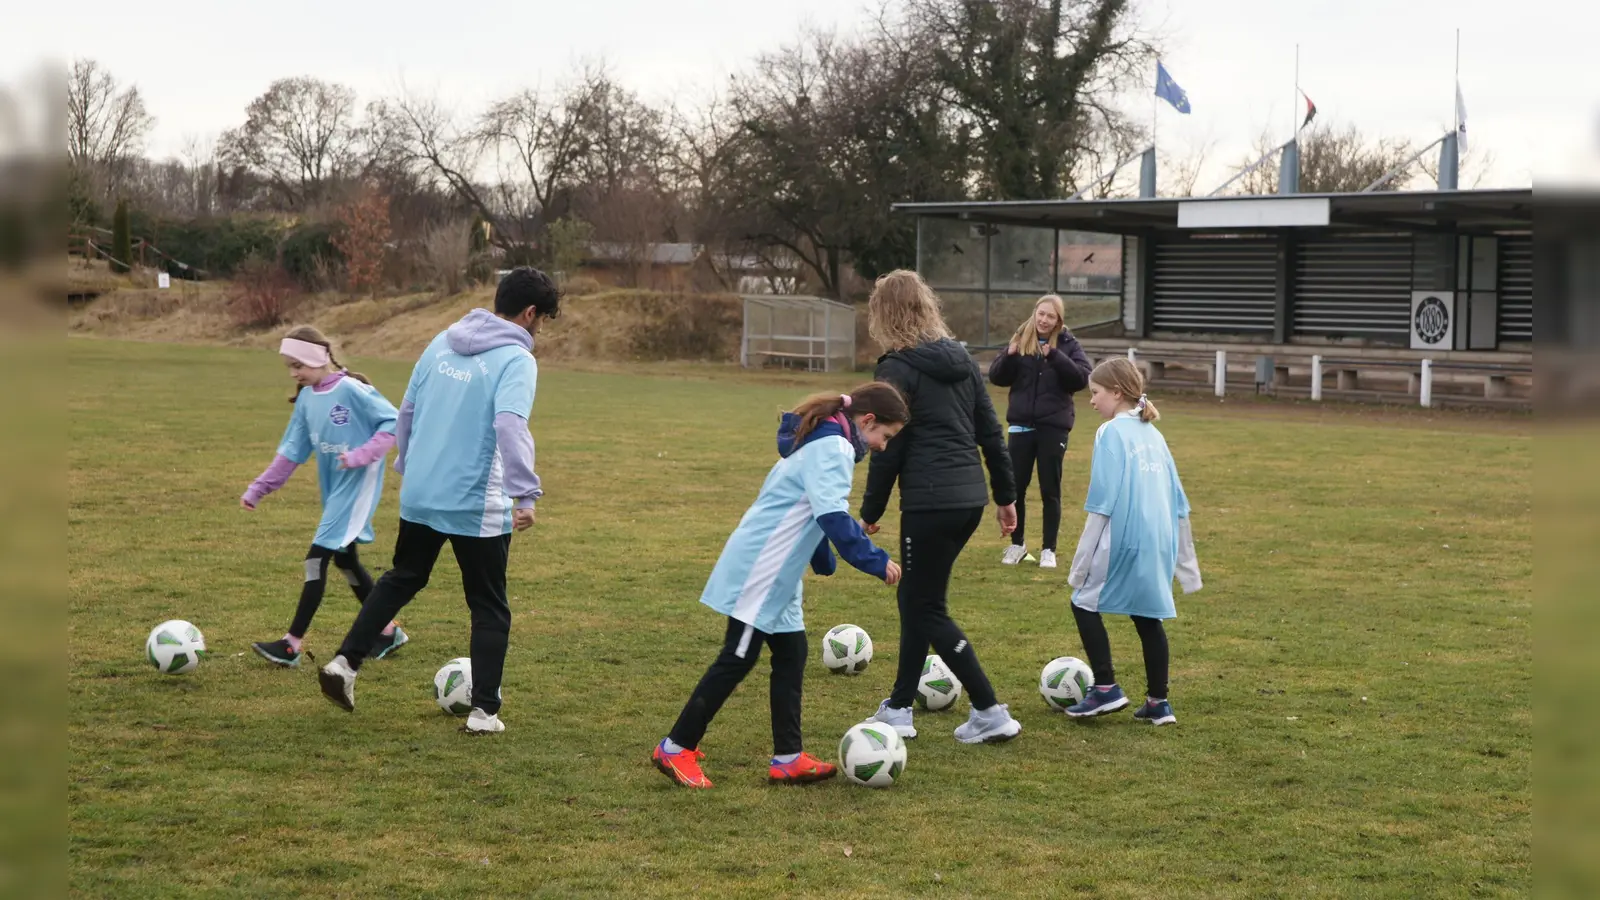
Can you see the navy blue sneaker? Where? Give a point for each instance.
(1156, 712)
(1097, 703)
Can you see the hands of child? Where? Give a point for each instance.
(870, 528)
(1008, 518)
(891, 573)
(344, 460)
(522, 519)
(244, 503)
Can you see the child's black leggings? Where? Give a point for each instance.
(317, 558)
(1096, 643)
(741, 647)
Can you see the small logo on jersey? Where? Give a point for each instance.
(339, 415)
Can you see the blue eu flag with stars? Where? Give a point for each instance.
(1168, 90)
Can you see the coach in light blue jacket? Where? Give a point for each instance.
(467, 457)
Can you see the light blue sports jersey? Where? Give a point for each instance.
(1134, 482)
(454, 476)
(329, 423)
(757, 580)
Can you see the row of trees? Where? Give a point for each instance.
(799, 158)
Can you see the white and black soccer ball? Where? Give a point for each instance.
(452, 686)
(175, 647)
(1064, 681)
(938, 688)
(872, 754)
(846, 650)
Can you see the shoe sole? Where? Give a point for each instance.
(995, 737)
(1111, 707)
(333, 688)
(1164, 720)
(390, 649)
(282, 663)
(802, 779)
(667, 770)
(479, 732)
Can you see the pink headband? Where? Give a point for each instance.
(305, 353)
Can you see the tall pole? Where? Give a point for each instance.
(1453, 104)
(1294, 105)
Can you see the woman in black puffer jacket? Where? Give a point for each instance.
(1043, 367)
(942, 494)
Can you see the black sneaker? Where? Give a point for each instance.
(278, 652)
(388, 643)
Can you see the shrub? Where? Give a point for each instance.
(262, 295)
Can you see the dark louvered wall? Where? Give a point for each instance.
(1215, 285)
(1516, 288)
(1353, 286)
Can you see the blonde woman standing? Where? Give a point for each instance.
(1043, 366)
(935, 460)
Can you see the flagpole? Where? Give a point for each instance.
(1453, 102)
(1155, 107)
(1294, 104)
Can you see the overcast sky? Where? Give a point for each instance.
(1527, 68)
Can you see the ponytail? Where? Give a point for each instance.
(881, 399)
(1125, 377)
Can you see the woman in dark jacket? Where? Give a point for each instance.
(1043, 367)
(942, 494)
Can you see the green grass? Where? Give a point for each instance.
(1351, 684)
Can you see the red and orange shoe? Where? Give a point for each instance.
(803, 770)
(682, 767)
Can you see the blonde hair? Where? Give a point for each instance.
(1120, 374)
(903, 311)
(1027, 336)
(311, 335)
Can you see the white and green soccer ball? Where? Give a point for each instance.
(1064, 681)
(846, 650)
(938, 688)
(872, 754)
(452, 686)
(175, 647)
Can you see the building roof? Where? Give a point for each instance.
(1471, 210)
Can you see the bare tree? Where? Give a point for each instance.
(1332, 160)
(301, 136)
(1181, 174)
(106, 125)
(538, 141)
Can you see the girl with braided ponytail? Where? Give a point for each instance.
(803, 507)
(1136, 539)
(342, 420)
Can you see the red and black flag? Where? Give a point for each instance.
(1311, 110)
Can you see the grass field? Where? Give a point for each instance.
(1348, 685)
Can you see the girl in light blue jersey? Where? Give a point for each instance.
(342, 420)
(803, 506)
(1135, 541)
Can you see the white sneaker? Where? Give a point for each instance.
(338, 682)
(898, 719)
(480, 722)
(1014, 554)
(1047, 559)
(989, 726)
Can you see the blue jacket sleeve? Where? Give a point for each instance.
(854, 546)
(822, 559)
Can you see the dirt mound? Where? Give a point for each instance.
(617, 324)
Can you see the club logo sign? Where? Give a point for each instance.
(1432, 324)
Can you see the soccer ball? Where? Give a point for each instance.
(938, 688)
(846, 650)
(872, 754)
(1064, 681)
(175, 647)
(452, 686)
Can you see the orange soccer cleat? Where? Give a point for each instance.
(682, 767)
(803, 770)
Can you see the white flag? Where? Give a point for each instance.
(1461, 121)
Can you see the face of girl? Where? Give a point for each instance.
(1045, 319)
(1105, 401)
(877, 434)
(304, 375)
